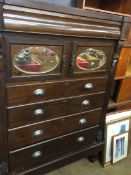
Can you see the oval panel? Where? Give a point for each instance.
(36, 60)
(91, 59)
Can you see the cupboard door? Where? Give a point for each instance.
(33, 57)
(91, 57)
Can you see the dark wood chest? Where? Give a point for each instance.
(56, 69)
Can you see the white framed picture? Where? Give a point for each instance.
(112, 129)
(119, 147)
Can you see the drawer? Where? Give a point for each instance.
(22, 115)
(32, 93)
(44, 152)
(27, 135)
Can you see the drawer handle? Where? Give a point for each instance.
(37, 133)
(80, 139)
(38, 112)
(85, 103)
(88, 86)
(39, 92)
(37, 154)
(83, 121)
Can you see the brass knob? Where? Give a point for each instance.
(83, 121)
(37, 133)
(85, 103)
(81, 139)
(38, 112)
(37, 154)
(88, 86)
(39, 92)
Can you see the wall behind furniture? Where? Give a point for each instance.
(71, 3)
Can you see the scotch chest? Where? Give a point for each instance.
(56, 68)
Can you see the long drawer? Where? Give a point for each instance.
(32, 93)
(44, 152)
(27, 135)
(27, 114)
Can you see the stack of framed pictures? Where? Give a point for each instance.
(116, 137)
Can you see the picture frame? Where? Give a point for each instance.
(113, 129)
(116, 123)
(120, 145)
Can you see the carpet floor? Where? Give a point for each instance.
(84, 167)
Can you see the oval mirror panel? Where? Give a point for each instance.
(91, 59)
(36, 60)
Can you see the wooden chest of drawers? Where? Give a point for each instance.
(56, 67)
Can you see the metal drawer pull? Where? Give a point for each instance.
(38, 133)
(81, 139)
(85, 103)
(37, 154)
(83, 121)
(88, 86)
(39, 92)
(38, 112)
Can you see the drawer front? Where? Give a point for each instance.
(18, 116)
(32, 93)
(44, 152)
(32, 134)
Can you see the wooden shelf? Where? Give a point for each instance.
(122, 77)
(113, 6)
(128, 71)
(113, 104)
(105, 11)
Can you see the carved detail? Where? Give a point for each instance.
(38, 21)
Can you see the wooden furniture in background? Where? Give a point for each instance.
(122, 91)
(124, 65)
(119, 6)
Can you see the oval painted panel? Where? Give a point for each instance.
(91, 59)
(36, 60)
